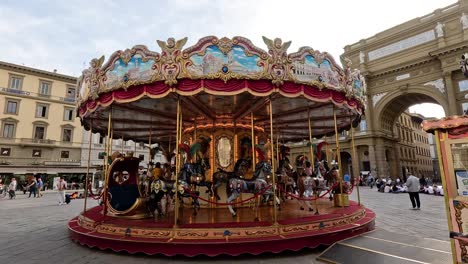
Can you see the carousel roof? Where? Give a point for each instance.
(219, 82)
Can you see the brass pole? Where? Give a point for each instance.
(88, 164)
(338, 152)
(446, 193)
(106, 175)
(149, 143)
(277, 148)
(312, 158)
(355, 159)
(253, 140)
(273, 165)
(195, 137)
(176, 205)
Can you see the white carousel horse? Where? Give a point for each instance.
(257, 185)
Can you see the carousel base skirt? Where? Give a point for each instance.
(213, 231)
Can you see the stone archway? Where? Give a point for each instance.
(385, 113)
(394, 103)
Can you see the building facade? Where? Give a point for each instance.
(40, 134)
(412, 63)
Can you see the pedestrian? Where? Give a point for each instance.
(157, 171)
(413, 189)
(61, 187)
(40, 184)
(370, 180)
(32, 187)
(12, 188)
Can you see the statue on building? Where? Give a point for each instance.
(362, 57)
(439, 29)
(464, 21)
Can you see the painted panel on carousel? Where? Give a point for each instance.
(214, 61)
(310, 70)
(136, 69)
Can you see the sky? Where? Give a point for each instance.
(66, 35)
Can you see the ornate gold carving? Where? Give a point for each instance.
(295, 229)
(170, 59)
(260, 232)
(225, 45)
(192, 234)
(279, 63)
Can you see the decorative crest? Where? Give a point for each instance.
(170, 58)
(279, 66)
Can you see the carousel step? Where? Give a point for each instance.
(382, 246)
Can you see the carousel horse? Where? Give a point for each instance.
(222, 176)
(257, 185)
(163, 190)
(285, 177)
(311, 186)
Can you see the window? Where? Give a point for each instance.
(465, 108)
(71, 92)
(64, 154)
(67, 135)
(68, 114)
(39, 132)
(8, 130)
(101, 139)
(41, 110)
(36, 153)
(463, 85)
(11, 107)
(44, 88)
(5, 151)
(16, 82)
(363, 125)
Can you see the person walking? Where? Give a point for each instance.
(61, 187)
(12, 188)
(40, 184)
(413, 190)
(32, 187)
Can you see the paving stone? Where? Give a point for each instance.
(34, 230)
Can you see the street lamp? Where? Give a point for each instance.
(464, 64)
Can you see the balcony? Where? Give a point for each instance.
(37, 142)
(68, 100)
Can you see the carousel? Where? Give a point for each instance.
(222, 114)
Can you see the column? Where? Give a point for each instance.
(452, 102)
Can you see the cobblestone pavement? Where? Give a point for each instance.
(34, 231)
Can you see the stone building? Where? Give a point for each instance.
(411, 63)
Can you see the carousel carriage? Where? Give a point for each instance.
(226, 98)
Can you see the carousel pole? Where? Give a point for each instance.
(176, 205)
(275, 216)
(447, 202)
(149, 143)
(338, 154)
(253, 140)
(354, 158)
(106, 175)
(88, 164)
(312, 156)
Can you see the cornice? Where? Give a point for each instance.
(401, 67)
(52, 75)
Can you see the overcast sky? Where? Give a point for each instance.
(66, 35)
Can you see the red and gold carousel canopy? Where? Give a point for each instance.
(219, 83)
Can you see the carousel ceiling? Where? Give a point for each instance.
(219, 83)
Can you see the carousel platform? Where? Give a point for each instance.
(213, 231)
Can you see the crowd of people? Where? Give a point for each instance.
(389, 185)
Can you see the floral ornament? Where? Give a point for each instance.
(170, 59)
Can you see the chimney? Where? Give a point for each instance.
(55, 70)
